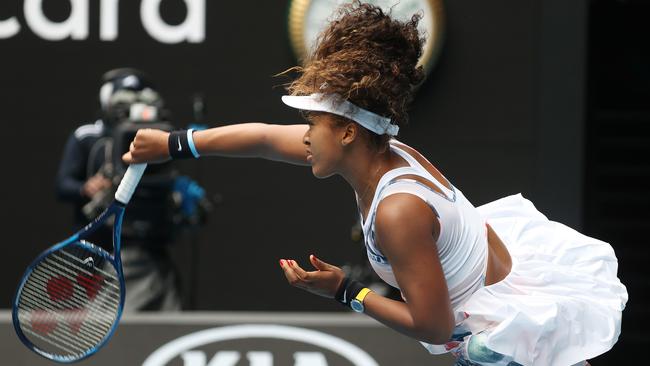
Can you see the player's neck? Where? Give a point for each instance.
(364, 173)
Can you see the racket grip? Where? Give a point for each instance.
(129, 182)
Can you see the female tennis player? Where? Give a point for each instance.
(495, 285)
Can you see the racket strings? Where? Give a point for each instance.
(45, 323)
(79, 328)
(72, 317)
(54, 268)
(69, 302)
(65, 287)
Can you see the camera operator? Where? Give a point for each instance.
(91, 169)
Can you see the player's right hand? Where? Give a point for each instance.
(148, 146)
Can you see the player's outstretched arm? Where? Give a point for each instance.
(259, 140)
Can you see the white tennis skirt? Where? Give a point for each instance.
(562, 301)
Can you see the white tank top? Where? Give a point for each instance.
(462, 243)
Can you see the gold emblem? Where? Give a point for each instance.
(307, 18)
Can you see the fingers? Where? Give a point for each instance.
(320, 265)
(101, 182)
(94, 185)
(317, 263)
(127, 158)
(290, 273)
(148, 146)
(301, 273)
(296, 276)
(321, 282)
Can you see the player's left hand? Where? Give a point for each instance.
(324, 281)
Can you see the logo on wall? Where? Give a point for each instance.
(259, 345)
(75, 27)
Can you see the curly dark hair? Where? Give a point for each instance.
(367, 57)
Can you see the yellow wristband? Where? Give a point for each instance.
(357, 303)
(362, 294)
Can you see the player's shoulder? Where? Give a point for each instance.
(404, 222)
(90, 130)
(403, 209)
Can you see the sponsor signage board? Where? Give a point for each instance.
(234, 339)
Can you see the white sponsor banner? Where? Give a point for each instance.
(76, 25)
(184, 347)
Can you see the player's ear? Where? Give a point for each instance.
(349, 134)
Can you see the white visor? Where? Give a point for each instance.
(332, 103)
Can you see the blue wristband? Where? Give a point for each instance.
(190, 142)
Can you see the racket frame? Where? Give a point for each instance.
(115, 209)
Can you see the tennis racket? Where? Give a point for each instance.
(70, 298)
